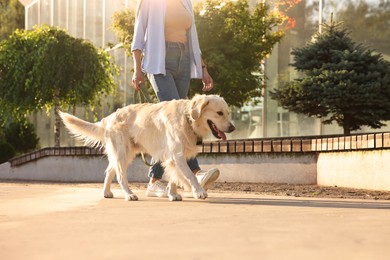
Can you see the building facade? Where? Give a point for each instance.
(91, 19)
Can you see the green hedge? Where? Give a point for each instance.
(6, 151)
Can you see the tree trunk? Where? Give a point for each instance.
(57, 120)
(347, 125)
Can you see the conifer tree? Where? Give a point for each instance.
(341, 81)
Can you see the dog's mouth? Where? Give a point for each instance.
(215, 131)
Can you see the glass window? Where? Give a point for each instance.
(60, 9)
(368, 22)
(76, 18)
(33, 15)
(45, 12)
(94, 22)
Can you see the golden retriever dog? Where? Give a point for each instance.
(167, 131)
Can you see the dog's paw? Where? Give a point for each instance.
(200, 194)
(130, 197)
(175, 197)
(108, 194)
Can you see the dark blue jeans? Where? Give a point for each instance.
(174, 85)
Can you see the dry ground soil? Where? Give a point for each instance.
(310, 191)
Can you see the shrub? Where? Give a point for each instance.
(6, 151)
(21, 135)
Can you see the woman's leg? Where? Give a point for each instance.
(194, 165)
(173, 85)
(178, 66)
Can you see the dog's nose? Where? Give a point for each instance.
(231, 128)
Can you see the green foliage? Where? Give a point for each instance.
(233, 39)
(38, 65)
(123, 26)
(342, 80)
(21, 135)
(11, 17)
(6, 151)
(46, 68)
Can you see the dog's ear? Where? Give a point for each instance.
(198, 105)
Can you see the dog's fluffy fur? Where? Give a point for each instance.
(167, 131)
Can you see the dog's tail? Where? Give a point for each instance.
(91, 133)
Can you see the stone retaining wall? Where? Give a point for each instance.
(305, 160)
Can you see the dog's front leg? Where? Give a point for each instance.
(180, 167)
(172, 192)
(197, 190)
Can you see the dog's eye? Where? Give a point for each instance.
(220, 113)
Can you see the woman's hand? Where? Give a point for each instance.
(138, 78)
(207, 80)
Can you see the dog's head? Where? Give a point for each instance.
(211, 113)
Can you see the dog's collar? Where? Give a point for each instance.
(189, 121)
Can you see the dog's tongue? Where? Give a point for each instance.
(222, 135)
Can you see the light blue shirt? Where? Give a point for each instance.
(149, 37)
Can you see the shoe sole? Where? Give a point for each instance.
(153, 194)
(207, 182)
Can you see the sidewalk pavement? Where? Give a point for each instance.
(65, 221)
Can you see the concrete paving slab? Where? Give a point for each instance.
(58, 221)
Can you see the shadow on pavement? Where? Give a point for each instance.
(317, 203)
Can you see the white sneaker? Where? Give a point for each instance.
(157, 189)
(207, 178)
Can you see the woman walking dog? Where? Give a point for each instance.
(166, 47)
